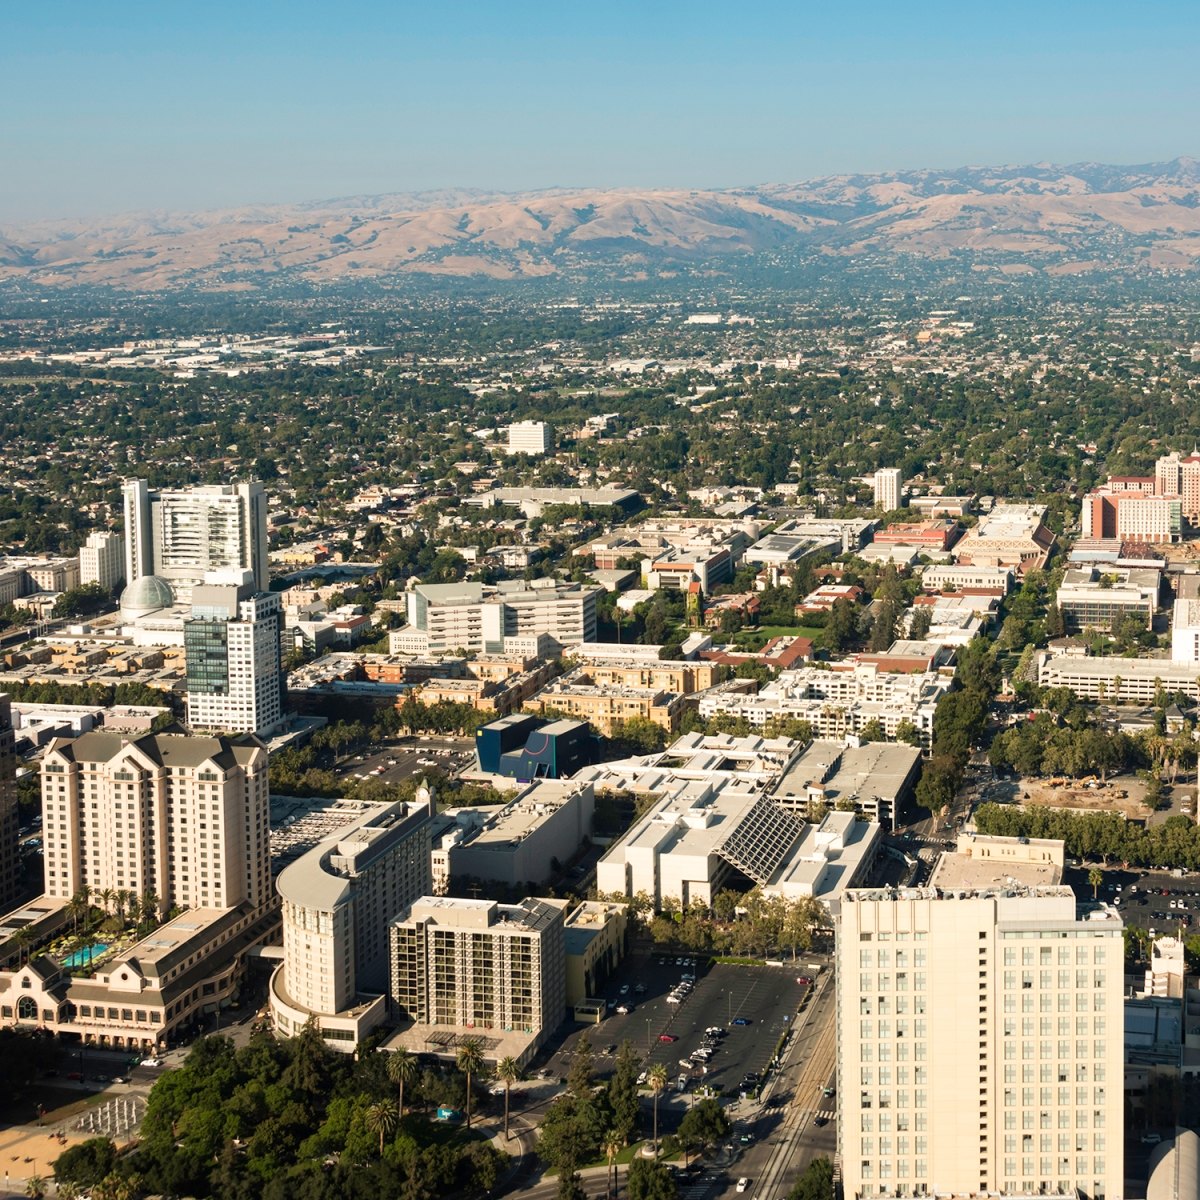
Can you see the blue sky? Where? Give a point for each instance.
(188, 104)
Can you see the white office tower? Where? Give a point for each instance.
(1185, 632)
(183, 535)
(979, 1042)
(887, 488)
(102, 560)
(231, 648)
(530, 437)
(182, 817)
(337, 901)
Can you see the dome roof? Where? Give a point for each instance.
(146, 595)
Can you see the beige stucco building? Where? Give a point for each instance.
(980, 1036)
(337, 901)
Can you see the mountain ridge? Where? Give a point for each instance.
(1041, 217)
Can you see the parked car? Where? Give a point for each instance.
(742, 1184)
(667, 1037)
(1151, 1139)
(741, 1020)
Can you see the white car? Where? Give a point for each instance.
(742, 1184)
(151, 1062)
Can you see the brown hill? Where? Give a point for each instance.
(1058, 219)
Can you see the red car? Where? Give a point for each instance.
(804, 980)
(667, 1037)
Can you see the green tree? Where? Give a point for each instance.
(649, 1180)
(816, 1183)
(1095, 878)
(623, 1093)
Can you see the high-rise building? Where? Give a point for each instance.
(980, 1033)
(480, 965)
(337, 901)
(231, 647)
(530, 437)
(1180, 477)
(10, 849)
(102, 560)
(887, 488)
(182, 817)
(181, 536)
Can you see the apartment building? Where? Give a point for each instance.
(841, 700)
(489, 617)
(183, 535)
(979, 1038)
(102, 560)
(886, 486)
(231, 648)
(464, 968)
(180, 818)
(337, 901)
(606, 706)
(611, 665)
(532, 438)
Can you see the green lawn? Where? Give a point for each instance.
(758, 637)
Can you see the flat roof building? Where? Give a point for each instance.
(519, 843)
(979, 1041)
(479, 969)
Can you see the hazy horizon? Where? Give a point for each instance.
(140, 106)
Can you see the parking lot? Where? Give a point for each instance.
(1156, 901)
(765, 998)
(409, 757)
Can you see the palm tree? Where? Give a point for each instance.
(470, 1062)
(66, 1190)
(508, 1072)
(35, 1187)
(77, 907)
(106, 898)
(382, 1118)
(122, 899)
(612, 1147)
(150, 905)
(1095, 878)
(23, 939)
(402, 1069)
(658, 1083)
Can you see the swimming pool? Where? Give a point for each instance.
(84, 957)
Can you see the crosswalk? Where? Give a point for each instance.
(828, 1114)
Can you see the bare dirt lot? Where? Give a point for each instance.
(1123, 794)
